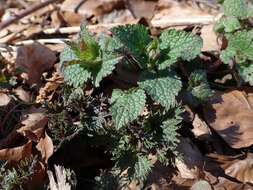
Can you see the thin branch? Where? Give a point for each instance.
(26, 12)
(165, 23)
(44, 41)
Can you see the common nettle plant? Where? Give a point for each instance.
(236, 27)
(141, 120)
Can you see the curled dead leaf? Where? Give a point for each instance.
(47, 92)
(33, 124)
(230, 114)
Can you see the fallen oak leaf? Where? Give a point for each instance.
(242, 170)
(230, 114)
(232, 172)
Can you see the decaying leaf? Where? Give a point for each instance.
(242, 170)
(33, 124)
(41, 60)
(231, 115)
(200, 128)
(17, 153)
(47, 92)
(46, 147)
(234, 172)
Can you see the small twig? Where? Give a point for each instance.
(76, 29)
(26, 12)
(156, 23)
(185, 21)
(79, 5)
(44, 41)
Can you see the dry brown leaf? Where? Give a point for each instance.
(4, 99)
(72, 18)
(33, 124)
(231, 115)
(47, 92)
(17, 153)
(46, 147)
(34, 60)
(233, 172)
(242, 170)
(192, 162)
(209, 38)
(200, 128)
(22, 94)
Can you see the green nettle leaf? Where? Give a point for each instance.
(135, 39)
(236, 8)
(199, 88)
(246, 72)
(162, 88)
(227, 24)
(86, 36)
(126, 106)
(76, 75)
(66, 56)
(93, 62)
(179, 44)
(141, 168)
(109, 62)
(170, 134)
(240, 47)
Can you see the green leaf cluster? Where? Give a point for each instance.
(142, 119)
(19, 177)
(236, 27)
